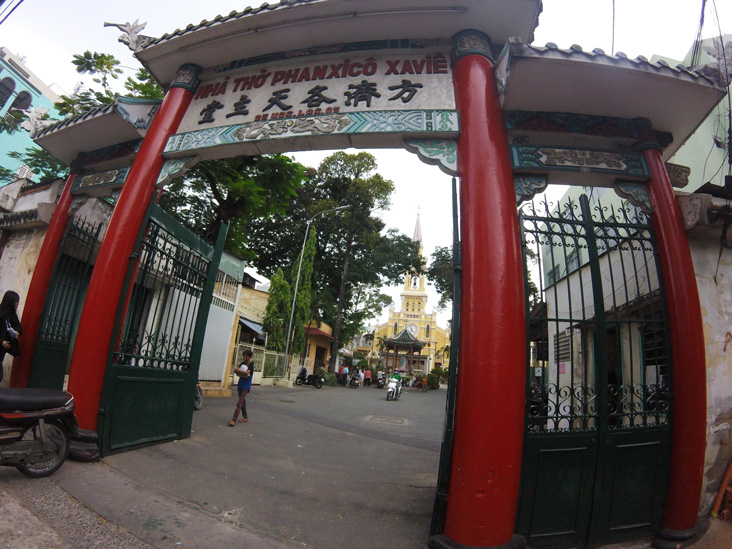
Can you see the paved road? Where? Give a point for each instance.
(328, 468)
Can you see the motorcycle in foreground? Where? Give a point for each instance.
(36, 426)
(393, 389)
(303, 378)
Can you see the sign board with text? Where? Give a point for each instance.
(345, 100)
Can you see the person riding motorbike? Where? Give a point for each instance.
(396, 375)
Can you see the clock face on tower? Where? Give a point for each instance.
(412, 329)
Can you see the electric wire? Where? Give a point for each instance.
(726, 81)
(728, 152)
(11, 12)
(696, 52)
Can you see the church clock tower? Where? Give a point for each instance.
(415, 320)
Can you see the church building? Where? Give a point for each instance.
(412, 334)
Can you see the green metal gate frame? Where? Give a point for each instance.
(62, 307)
(161, 321)
(598, 414)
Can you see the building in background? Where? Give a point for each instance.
(415, 323)
(20, 90)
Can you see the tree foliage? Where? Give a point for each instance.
(277, 313)
(440, 273)
(42, 163)
(355, 256)
(241, 191)
(105, 68)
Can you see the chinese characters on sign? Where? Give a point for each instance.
(382, 83)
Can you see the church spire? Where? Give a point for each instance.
(418, 232)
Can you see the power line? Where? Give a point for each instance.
(11, 12)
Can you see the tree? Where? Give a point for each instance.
(42, 163)
(106, 69)
(277, 313)
(354, 255)
(241, 191)
(440, 273)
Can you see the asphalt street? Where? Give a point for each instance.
(328, 468)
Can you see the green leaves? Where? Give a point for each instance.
(45, 166)
(277, 313)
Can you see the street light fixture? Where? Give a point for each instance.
(297, 282)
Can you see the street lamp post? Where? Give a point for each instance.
(297, 282)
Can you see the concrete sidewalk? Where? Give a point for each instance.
(301, 473)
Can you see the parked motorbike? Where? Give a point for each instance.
(394, 389)
(355, 382)
(36, 426)
(303, 378)
(198, 397)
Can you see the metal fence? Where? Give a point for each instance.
(267, 363)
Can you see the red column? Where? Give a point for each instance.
(38, 288)
(96, 324)
(686, 335)
(489, 414)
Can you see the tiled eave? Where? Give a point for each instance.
(548, 79)
(125, 119)
(27, 219)
(305, 24)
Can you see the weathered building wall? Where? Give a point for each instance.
(23, 235)
(716, 306)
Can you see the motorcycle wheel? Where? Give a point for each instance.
(318, 383)
(298, 381)
(388, 396)
(198, 398)
(58, 436)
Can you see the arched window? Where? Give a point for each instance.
(396, 327)
(427, 331)
(7, 87)
(22, 101)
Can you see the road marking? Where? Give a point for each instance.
(387, 419)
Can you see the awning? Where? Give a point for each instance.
(318, 332)
(252, 326)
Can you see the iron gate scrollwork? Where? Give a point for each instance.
(153, 365)
(598, 396)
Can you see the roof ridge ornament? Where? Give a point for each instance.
(35, 123)
(132, 37)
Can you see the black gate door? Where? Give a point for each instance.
(597, 441)
(153, 366)
(62, 307)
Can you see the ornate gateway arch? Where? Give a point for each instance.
(454, 82)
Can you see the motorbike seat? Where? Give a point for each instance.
(25, 400)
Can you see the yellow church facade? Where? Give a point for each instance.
(413, 318)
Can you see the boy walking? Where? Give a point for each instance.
(245, 371)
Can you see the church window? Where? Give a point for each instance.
(427, 331)
(396, 327)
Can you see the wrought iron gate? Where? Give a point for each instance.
(597, 439)
(62, 307)
(153, 366)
